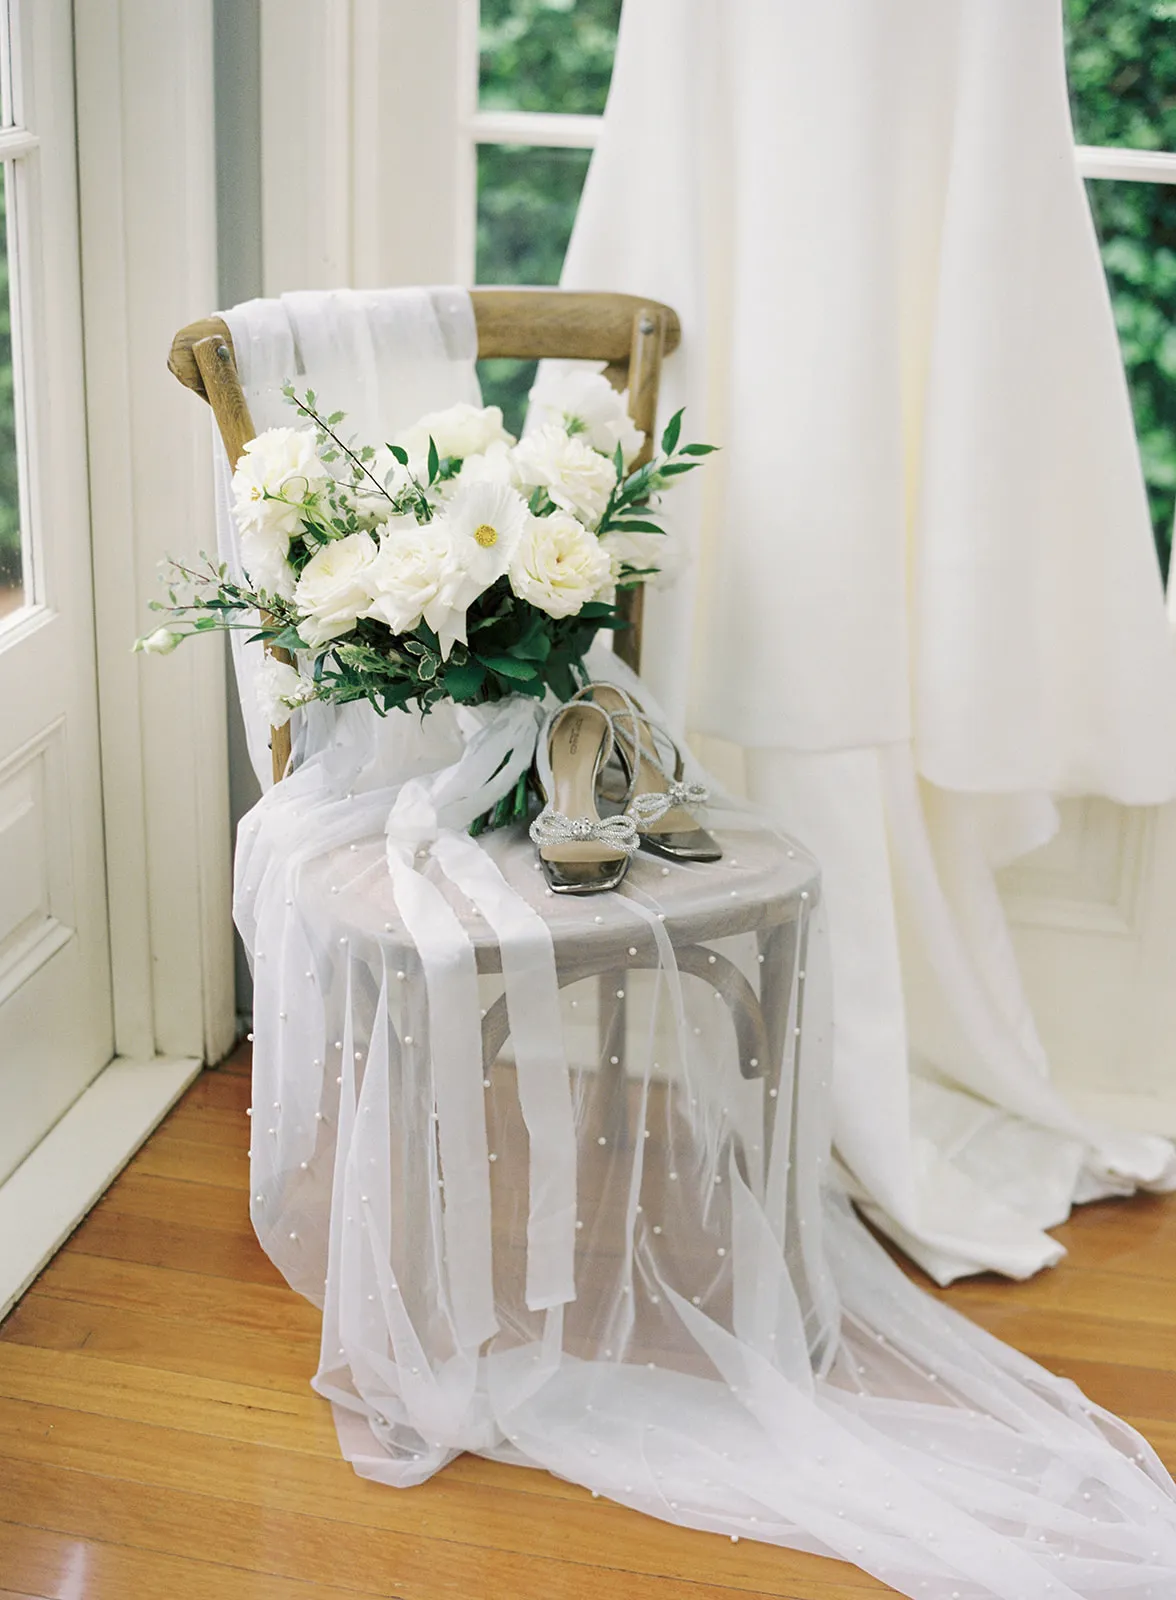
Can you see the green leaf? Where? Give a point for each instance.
(508, 667)
(698, 449)
(434, 460)
(398, 453)
(673, 469)
(464, 679)
(673, 431)
(335, 418)
(630, 526)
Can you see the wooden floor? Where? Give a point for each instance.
(159, 1441)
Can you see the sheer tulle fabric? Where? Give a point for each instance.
(557, 1172)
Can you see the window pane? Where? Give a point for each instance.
(1137, 225)
(11, 568)
(1121, 56)
(527, 201)
(547, 55)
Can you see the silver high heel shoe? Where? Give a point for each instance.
(658, 797)
(580, 852)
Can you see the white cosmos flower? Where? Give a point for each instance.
(462, 430)
(485, 522)
(417, 574)
(584, 403)
(333, 590)
(559, 566)
(280, 688)
(576, 477)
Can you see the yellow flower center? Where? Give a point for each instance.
(255, 493)
(485, 535)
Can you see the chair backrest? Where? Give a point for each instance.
(629, 334)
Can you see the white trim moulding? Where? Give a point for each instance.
(60, 1179)
(547, 130)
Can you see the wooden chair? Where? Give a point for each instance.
(757, 896)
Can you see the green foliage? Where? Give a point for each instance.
(10, 562)
(547, 55)
(1122, 66)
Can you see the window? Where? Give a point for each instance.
(537, 82)
(15, 142)
(1121, 56)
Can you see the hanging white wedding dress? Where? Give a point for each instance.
(925, 600)
(624, 1260)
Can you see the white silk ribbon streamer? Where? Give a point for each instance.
(428, 811)
(536, 1027)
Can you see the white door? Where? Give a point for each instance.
(55, 1005)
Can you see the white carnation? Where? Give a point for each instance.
(416, 574)
(279, 688)
(577, 478)
(333, 590)
(559, 566)
(585, 404)
(462, 430)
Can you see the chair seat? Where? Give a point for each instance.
(755, 888)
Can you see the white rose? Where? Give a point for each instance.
(160, 643)
(279, 688)
(495, 465)
(334, 589)
(463, 430)
(559, 566)
(416, 574)
(586, 405)
(577, 478)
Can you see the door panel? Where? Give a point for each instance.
(55, 1012)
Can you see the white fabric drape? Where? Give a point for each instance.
(926, 598)
(606, 1240)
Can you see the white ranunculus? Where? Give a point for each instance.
(279, 688)
(559, 566)
(585, 404)
(278, 473)
(485, 522)
(334, 589)
(160, 643)
(417, 574)
(576, 477)
(462, 430)
(276, 477)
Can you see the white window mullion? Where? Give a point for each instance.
(1134, 166)
(549, 129)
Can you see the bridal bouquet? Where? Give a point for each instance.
(454, 563)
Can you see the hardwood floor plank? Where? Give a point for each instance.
(189, 1247)
(167, 1156)
(185, 1296)
(53, 1565)
(164, 1344)
(411, 1566)
(501, 1518)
